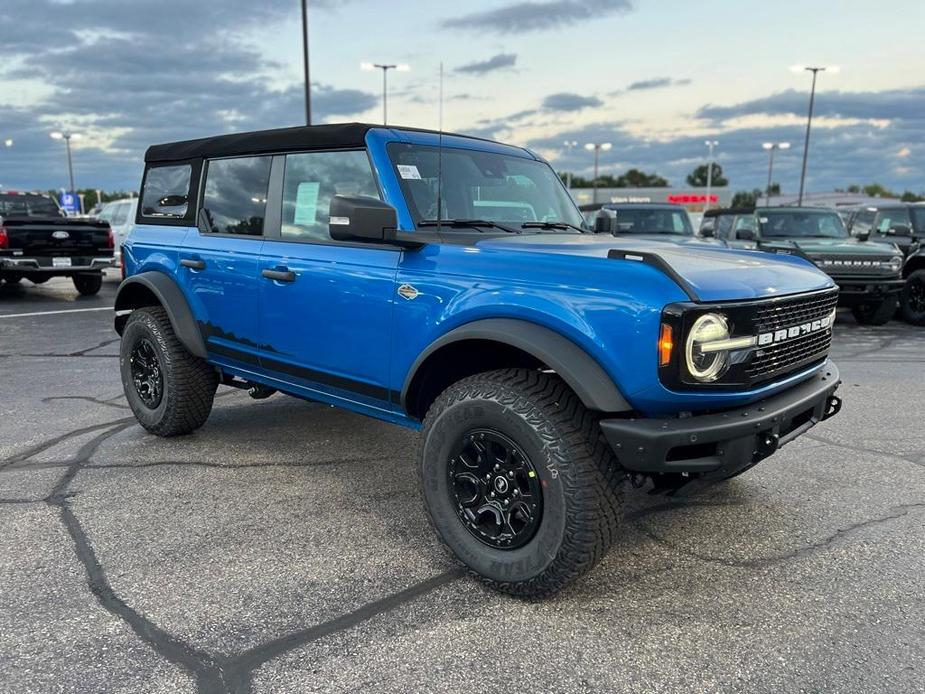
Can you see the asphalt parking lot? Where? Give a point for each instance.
(283, 547)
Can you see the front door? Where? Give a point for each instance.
(219, 264)
(326, 306)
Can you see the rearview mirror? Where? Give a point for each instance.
(361, 219)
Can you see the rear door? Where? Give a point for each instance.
(325, 305)
(218, 265)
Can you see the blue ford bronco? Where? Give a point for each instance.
(449, 284)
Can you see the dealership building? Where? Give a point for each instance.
(694, 199)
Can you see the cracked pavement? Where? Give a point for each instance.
(283, 548)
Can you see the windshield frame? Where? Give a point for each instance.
(761, 214)
(564, 206)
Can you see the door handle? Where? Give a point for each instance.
(282, 275)
(193, 264)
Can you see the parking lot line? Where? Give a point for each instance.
(52, 313)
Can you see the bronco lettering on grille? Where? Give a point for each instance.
(784, 334)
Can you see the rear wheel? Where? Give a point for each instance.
(875, 312)
(912, 301)
(169, 390)
(12, 279)
(88, 283)
(518, 481)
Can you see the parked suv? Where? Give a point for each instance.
(642, 220)
(868, 274)
(445, 283)
(895, 222)
(121, 216)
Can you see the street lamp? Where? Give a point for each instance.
(597, 148)
(569, 146)
(67, 137)
(772, 147)
(809, 120)
(385, 71)
(710, 145)
(8, 142)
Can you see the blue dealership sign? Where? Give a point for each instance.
(70, 202)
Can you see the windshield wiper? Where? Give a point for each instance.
(551, 225)
(463, 223)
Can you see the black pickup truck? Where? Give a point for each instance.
(38, 242)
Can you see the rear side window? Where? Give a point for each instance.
(235, 198)
(311, 180)
(166, 191)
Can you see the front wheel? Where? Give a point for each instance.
(169, 390)
(878, 312)
(518, 481)
(912, 301)
(89, 283)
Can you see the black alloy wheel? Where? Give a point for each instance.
(912, 303)
(495, 489)
(147, 376)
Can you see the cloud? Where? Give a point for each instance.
(565, 101)
(532, 15)
(113, 77)
(657, 83)
(496, 62)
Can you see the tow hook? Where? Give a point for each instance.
(767, 444)
(832, 407)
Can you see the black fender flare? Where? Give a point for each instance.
(574, 365)
(171, 297)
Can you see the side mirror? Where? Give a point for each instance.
(603, 224)
(746, 235)
(362, 219)
(707, 231)
(863, 235)
(172, 201)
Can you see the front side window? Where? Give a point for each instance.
(891, 218)
(235, 199)
(166, 191)
(796, 223)
(862, 221)
(310, 181)
(501, 188)
(653, 221)
(724, 226)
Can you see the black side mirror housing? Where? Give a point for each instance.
(603, 224)
(360, 218)
(746, 235)
(707, 232)
(863, 235)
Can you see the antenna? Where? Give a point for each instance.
(440, 155)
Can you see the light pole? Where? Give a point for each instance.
(67, 137)
(772, 147)
(308, 84)
(569, 146)
(8, 142)
(385, 87)
(809, 120)
(597, 148)
(710, 145)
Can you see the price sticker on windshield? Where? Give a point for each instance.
(409, 172)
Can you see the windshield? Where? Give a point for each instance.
(801, 223)
(27, 206)
(500, 188)
(651, 221)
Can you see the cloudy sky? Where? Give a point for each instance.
(654, 77)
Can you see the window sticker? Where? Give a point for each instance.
(763, 220)
(306, 203)
(409, 172)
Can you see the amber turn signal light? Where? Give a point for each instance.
(665, 345)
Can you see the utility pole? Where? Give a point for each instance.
(710, 145)
(385, 84)
(569, 146)
(809, 120)
(308, 84)
(597, 148)
(772, 147)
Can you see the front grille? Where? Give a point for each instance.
(853, 265)
(773, 360)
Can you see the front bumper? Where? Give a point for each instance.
(853, 290)
(720, 444)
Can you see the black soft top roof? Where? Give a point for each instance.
(303, 137)
(720, 211)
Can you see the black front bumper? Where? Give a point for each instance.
(723, 443)
(855, 290)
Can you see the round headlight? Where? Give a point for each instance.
(706, 365)
(896, 263)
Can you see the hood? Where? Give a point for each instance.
(677, 239)
(819, 246)
(714, 273)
